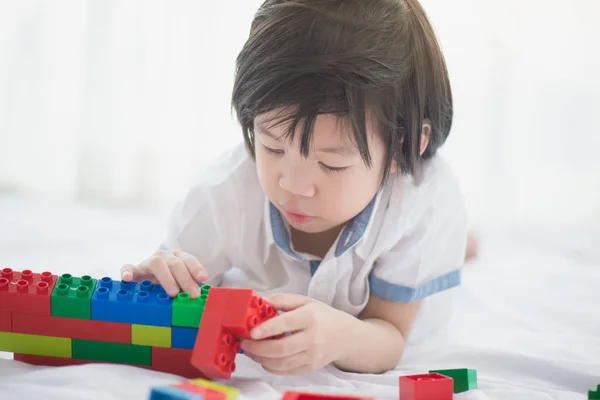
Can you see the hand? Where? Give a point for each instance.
(315, 333)
(171, 269)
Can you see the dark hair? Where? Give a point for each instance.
(346, 57)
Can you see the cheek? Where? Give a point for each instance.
(266, 171)
(347, 196)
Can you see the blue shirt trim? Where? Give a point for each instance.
(405, 294)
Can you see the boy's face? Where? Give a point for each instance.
(330, 186)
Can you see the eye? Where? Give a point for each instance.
(271, 151)
(330, 169)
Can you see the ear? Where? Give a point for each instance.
(425, 135)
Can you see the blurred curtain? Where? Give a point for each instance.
(125, 101)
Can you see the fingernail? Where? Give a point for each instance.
(201, 276)
(126, 275)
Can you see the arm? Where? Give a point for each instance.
(375, 342)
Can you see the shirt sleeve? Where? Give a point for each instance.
(430, 250)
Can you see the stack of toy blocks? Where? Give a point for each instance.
(51, 320)
(437, 384)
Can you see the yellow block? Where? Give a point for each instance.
(155, 336)
(231, 392)
(35, 345)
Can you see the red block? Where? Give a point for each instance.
(426, 387)
(74, 328)
(26, 292)
(5, 321)
(174, 361)
(316, 396)
(206, 393)
(228, 316)
(245, 310)
(48, 361)
(214, 350)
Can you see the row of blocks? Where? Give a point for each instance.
(24, 325)
(141, 303)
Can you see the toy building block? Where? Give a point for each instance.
(183, 338)
(594, 394)
(173, 361)
(35, 344)
(430, 386)
(215, 349)
(112, 352)
(230, 392)
(72, 296)
(5, 321)
(48, 361)
(148, 335)
(26, 292)
(289, 395)
(229, 315)
(172, 393)
(464, 378)
(187, 312)
(73, 328)
(245, 310)
(142, 303)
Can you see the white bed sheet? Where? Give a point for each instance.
(527, 316)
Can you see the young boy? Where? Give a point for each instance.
(338, 200)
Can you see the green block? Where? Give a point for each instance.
(112, 352)
(464, 379)
(187, 312)
(72, 297)
(35, 344)
(146, 335)
(594, 394)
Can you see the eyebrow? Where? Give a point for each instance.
(340, 150)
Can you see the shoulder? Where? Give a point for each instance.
(223, 192)
(431, 196)
(229, 181)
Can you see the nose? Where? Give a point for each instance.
(297, 183)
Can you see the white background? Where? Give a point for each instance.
(114, 102)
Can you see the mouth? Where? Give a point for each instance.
(297, 217)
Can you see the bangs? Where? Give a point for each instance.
(297, 103)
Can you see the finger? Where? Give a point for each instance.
(285, 347)
(286, 365)
(160, 269)
(288, 302)
(130, 272)
(182, 275)
(292, 321)
(193, 265)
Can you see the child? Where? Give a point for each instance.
(338, 200)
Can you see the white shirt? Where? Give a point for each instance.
(407, 244)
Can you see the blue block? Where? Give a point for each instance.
(141, 303)
(171, 393)
(183, 338)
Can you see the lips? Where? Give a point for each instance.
(296, 216)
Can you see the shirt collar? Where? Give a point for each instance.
(351, 234)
